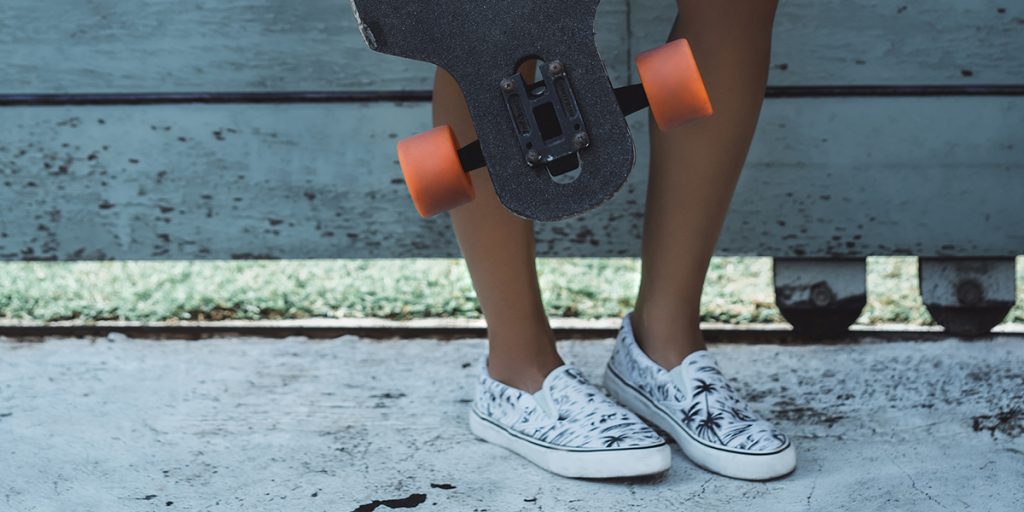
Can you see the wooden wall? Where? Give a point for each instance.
(891, 128)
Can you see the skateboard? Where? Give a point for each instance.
(556, 144)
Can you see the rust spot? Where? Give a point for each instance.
(252, 256)
(71, 122)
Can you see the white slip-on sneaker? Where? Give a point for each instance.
(695, 404)
(569, 427)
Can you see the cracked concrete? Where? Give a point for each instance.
(116, 424)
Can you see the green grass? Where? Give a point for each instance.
(738, 290)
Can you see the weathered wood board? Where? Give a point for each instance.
(111, 46)
(115, 46)
(826, 178)
(871, 42)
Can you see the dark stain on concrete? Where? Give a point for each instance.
(411, 501)
(1009, 422)
(788, 410)
(389, 395)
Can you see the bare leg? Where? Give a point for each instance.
(499, 249)
(694, 170)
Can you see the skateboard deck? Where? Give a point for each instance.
(481, 43)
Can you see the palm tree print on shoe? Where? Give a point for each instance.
(698, 407)
(569, 427)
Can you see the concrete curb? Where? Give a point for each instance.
(452, 328)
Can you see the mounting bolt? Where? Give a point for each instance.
(556, 68)
(507, 85)
(581, 140)
(822, 295)
(970, 293)
(533, 157)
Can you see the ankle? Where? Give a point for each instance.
(525, 373)
(666, 339)
(522, 357)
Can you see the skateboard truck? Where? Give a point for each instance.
(547, 118)
(548, 123)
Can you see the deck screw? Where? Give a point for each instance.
(507, 85)
(533, 157)
(556, 68)
(581, 140)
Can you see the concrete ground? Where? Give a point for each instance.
(116, 424)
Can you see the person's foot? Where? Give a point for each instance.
(695, 404)
(569, 427)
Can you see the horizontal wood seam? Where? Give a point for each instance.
(286, 97)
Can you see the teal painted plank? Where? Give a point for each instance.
(873, 42)
(274, 45)
(227, 45)
(826, 178)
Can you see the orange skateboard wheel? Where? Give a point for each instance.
(675, 90)
(433, 172)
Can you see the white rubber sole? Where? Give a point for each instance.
(745, 466)
(611, 463)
